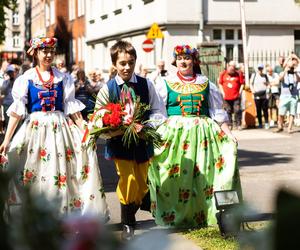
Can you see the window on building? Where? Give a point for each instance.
(240, 53)
(297, 42)
(240, 34)
(229, 51)
(16, 39)
(297, 34)
(229, 34)
(217, 34)
(15, 18)
(52, 12)
(72, 9)
(81, 7)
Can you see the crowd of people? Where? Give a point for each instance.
(275, 93)
(175, 181)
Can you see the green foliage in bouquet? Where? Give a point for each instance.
(124, 117)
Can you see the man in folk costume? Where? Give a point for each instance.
(131, 163)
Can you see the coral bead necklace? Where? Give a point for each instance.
(49, 83)
(186, 79)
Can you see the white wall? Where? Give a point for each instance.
(258, 11)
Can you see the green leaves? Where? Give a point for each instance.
(8, 4)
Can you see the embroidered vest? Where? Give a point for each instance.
(114, 147)
(187, 99)
(42, 99)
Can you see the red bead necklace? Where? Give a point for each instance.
(185, 79)
(47, 84)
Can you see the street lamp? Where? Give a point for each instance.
(232, 215)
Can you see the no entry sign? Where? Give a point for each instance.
(148, 45)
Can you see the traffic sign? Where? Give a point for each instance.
(154, 32)
(148, 45)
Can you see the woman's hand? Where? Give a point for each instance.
(227, 131)
(4, 147)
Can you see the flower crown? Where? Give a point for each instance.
(185, 49)
(41, 42)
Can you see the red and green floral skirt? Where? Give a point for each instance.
(196, 160)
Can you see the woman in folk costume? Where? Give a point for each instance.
(200, 153)
(47, 148)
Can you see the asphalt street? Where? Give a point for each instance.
(268, 162)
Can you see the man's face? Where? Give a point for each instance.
(161, 65)
(125, 65)
(231, 68)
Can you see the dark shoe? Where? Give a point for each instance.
(127, 233)
(146, 203)
(278, 130)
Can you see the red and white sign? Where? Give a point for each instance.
(148, 45)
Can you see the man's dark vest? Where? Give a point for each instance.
(114, 147)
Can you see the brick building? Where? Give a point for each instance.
(66, 21)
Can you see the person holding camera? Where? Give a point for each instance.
(288, 99)
(258, 85)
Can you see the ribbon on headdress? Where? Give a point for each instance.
(186, 49)
(41, 42)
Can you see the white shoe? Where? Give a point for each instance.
(267, 126)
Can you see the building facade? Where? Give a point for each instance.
(273, 27)
(66, 21)
(13, 46)
(38, 18)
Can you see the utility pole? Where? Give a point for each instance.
(244, 39)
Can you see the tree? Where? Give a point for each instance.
(5, 4)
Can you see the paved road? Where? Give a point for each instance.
(268, 161)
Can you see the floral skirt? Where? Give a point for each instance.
(196, 160)
(50, 158)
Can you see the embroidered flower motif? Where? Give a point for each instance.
(44, 156)
(184, 195)
(185, 146)
(166, 144)
(20, 148)
(153, 206)
(54, 127)
(85, 172)
(200, 218)
(196, 171)
(168, 218)
(220, 163)
(221, 135)
(3, 163)
(35, 125)
(208, 191)
(69, 154)
(174, 171)
(204, 144)
(60, 180)
(76, 204)
(28, 177)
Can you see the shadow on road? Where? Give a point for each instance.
(248, 158)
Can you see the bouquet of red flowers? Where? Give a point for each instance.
(125, 117)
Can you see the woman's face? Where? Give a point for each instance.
(45, 56)
(185, 64)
